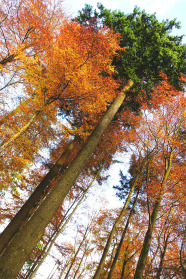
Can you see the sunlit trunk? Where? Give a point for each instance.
(15, 255)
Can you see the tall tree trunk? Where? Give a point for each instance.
(22, 245)
(56, 234)
(148, 237)
(154, 256)
(32, 271)
(75, 256)
(110, 261)
(114, 229)
(124, 266)
(162, 257)
(79, 265)
(181, 255)
(122, 239)
(159, 244)
(43, 188)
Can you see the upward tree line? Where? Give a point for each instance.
(84, 84)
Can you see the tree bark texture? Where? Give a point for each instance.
(43, 188)
(15, 255)
(56, 234)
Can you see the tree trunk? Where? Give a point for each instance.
(122, 239)
(75, 256)
(162, 257)
(63, 269)
(43, 188)
(56, 234)
(114, 228)
(79, 265)
(123, 267)
(148, 237)
(22, 245)
(181, 255)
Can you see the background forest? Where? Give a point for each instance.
(81, 99)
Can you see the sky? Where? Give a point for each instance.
(164, 9)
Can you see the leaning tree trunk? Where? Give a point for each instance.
(148, 237)
(27, 209)
(77, 252)
(63, 225)
(13, 258)
(114, 228)
(110, 276)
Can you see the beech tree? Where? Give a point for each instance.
(28, 236)
(91, 55)
(61, 224)
(172, 119)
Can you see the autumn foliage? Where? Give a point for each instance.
(63, 97)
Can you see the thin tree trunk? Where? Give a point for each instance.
(162, 258)
(43, 188)
(22, 245)
(125, 263)
(123, 267)
(122, 239)
(158, 246)
(55, 236)
(79, 265)
(32, 271)
(110, 262)
(52, 271)
(148, 237)
(75, 256)
(63, 269)
(181, 256)
(114, 228)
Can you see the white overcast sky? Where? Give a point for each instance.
(164, 9)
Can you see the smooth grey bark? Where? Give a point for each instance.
(13, 258)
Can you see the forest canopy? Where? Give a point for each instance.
(77, 97)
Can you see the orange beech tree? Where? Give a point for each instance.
(89, 97)
(72, 64)
(73, 73)
(66, 74)
(27, 28)
(165, 128)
